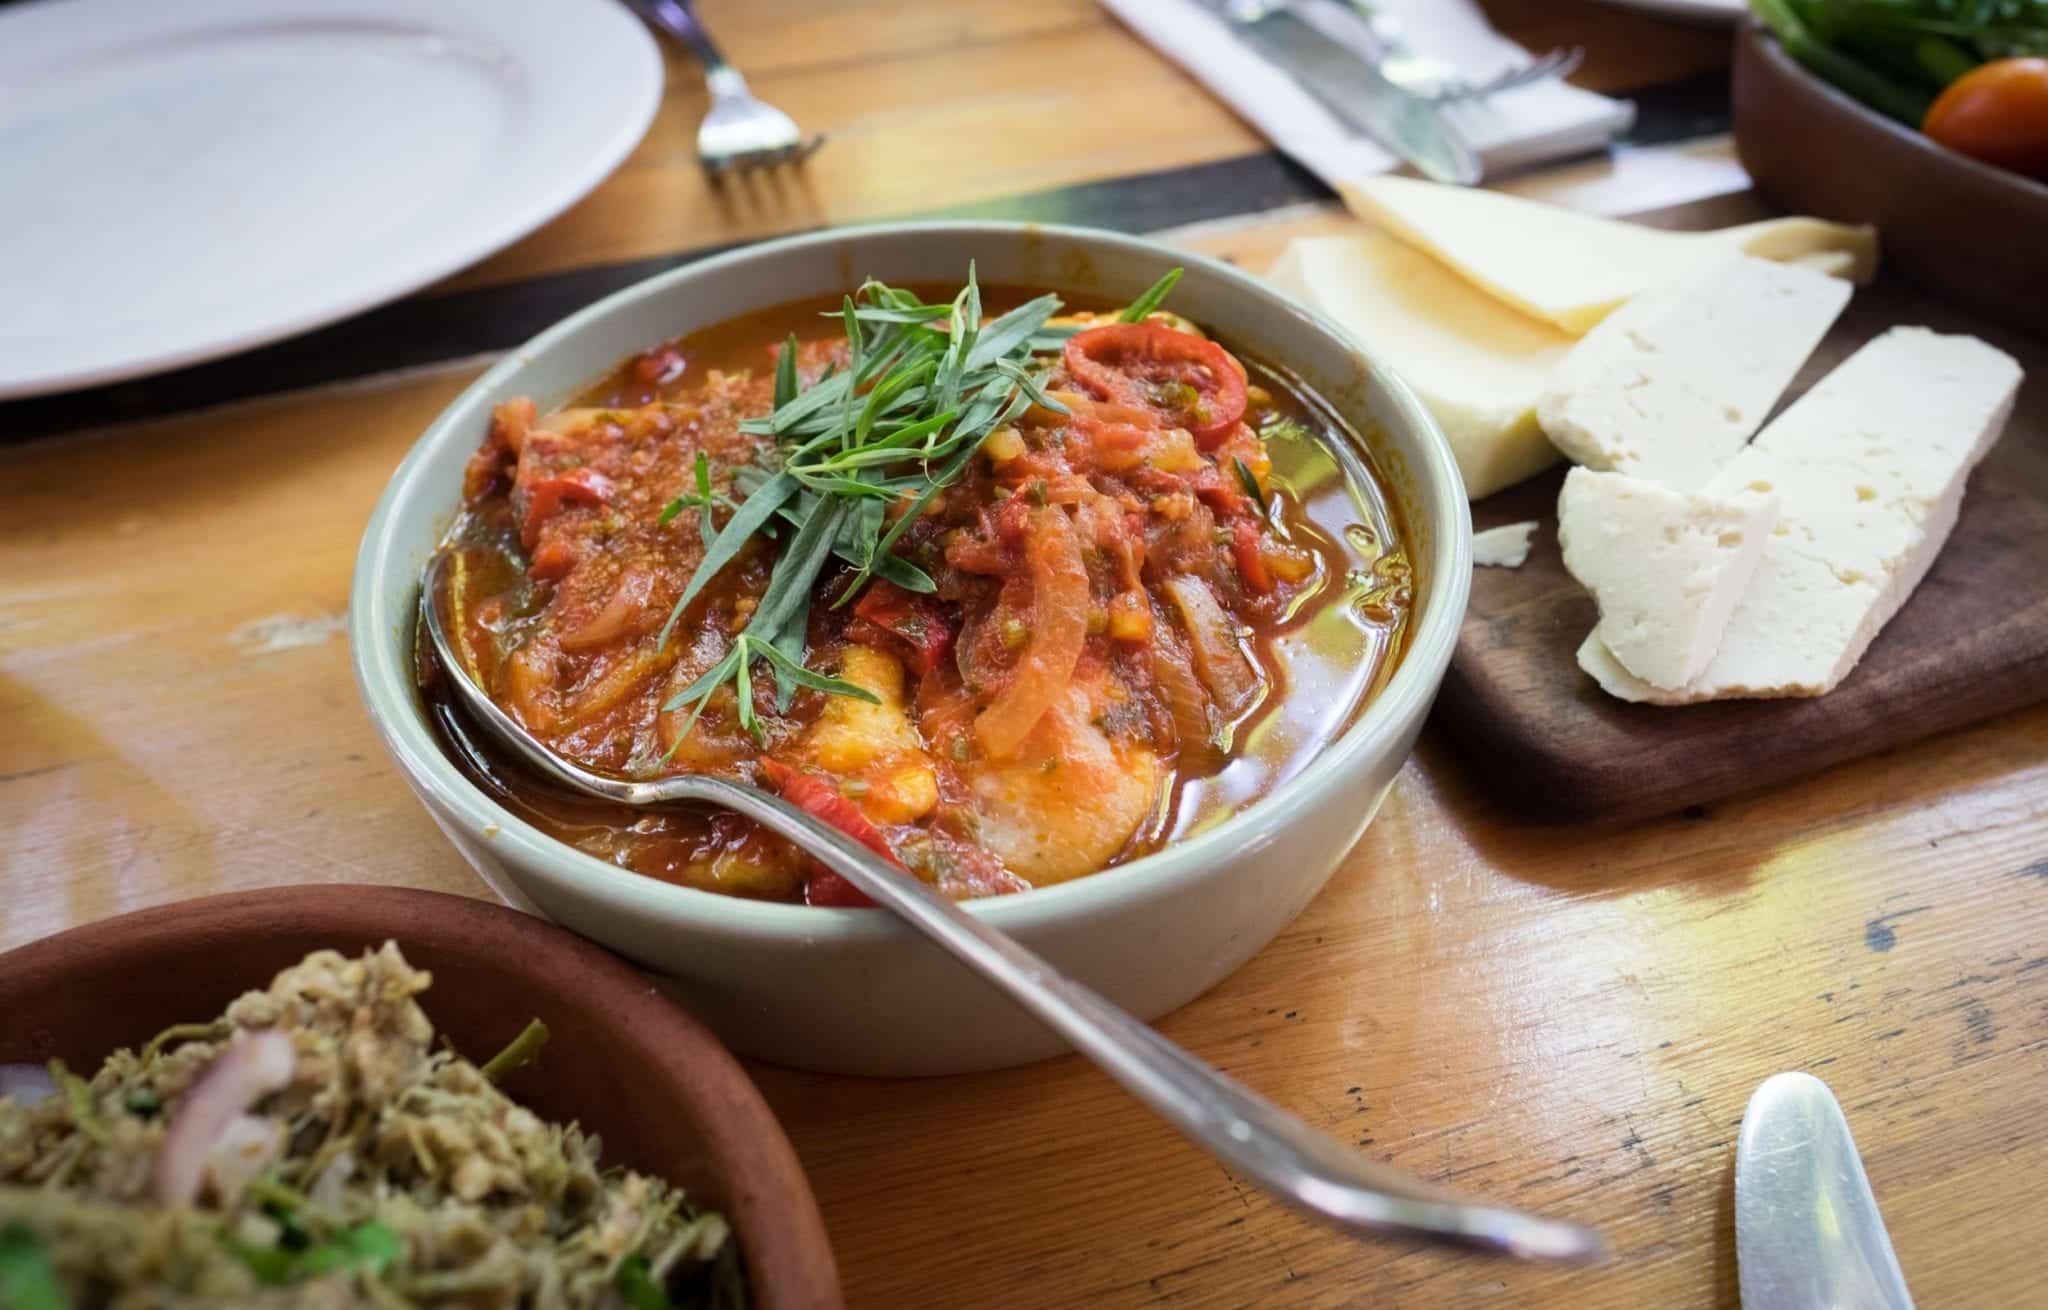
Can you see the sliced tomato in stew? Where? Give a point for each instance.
(1192, 381)
(821, 800)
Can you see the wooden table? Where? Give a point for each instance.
(1567, 1019)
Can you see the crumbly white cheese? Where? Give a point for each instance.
(1869, 469)
(1671, 385)
(1569, 268)
(1665, 566)
(1477, 365)
(1504, 547)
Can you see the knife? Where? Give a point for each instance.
(1807, 1232)
(1412, 126)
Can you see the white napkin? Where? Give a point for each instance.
(1544, 120)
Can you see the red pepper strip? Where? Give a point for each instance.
(821, 800)
(1222, 494)
(543, 498)
(1251, 564)
(914, 621)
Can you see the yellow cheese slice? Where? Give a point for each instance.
(1477, 365)
(1572, 269)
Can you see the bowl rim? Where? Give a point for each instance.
(768, 1196)
(1772, 53)
(1438, 498)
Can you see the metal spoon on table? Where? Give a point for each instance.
(1257, 1140)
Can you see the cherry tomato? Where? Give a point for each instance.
(1192, 381)
(821, 800)
(1997, 112)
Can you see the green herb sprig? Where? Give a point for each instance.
(1895, 55)
(1136, 311)
(27, 1280)
(518, 1053)
(1250, 482)
(370, 1247)
(704, 499)
(923, 387)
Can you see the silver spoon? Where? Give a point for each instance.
(1254, 1138)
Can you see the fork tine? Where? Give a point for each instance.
(1564, 62)
(1557, 63)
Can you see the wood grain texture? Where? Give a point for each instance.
(1971, 643)
(1569, 1018)
(930, 102)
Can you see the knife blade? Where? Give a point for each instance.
(1414, 127)
(1808, 1235)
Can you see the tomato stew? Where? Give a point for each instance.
(1119, 625)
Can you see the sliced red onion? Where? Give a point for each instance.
(246, 1147)
(26, 1083)
(327, 1188)
(244, 1074)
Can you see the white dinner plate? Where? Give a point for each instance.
(1691, 11)
(183, 180)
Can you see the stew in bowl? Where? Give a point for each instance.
(1011, 590)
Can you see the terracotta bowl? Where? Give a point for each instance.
(1970, 234)
(662, 1092)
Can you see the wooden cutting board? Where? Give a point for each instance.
(1971, 643)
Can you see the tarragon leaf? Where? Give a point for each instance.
(1029, 385)
(785, 373)
(798, 675)
(1150, 298)
(1007, 332)
(904, 574)
(802, 560)
(749, 518)
(1252, 487)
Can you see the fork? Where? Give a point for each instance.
(1437, 79)
(740, 133)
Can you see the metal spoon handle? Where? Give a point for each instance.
(1255, 1138)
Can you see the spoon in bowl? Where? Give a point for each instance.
(1256, 1139)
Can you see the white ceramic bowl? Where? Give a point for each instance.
(852, 990)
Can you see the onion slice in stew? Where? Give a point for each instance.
(1187, 701)
(244, 1074)
(1059, 629)
(1150, 364)
(1219, 660)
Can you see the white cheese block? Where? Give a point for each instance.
(1477, 365)
(1504, 547)
(1868, 469)
(1569, 268)
(1671, 385)
(1665, 566)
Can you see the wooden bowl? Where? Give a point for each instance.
(660, 1090)
(1967, 233)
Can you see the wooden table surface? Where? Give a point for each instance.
(1568, 1019)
